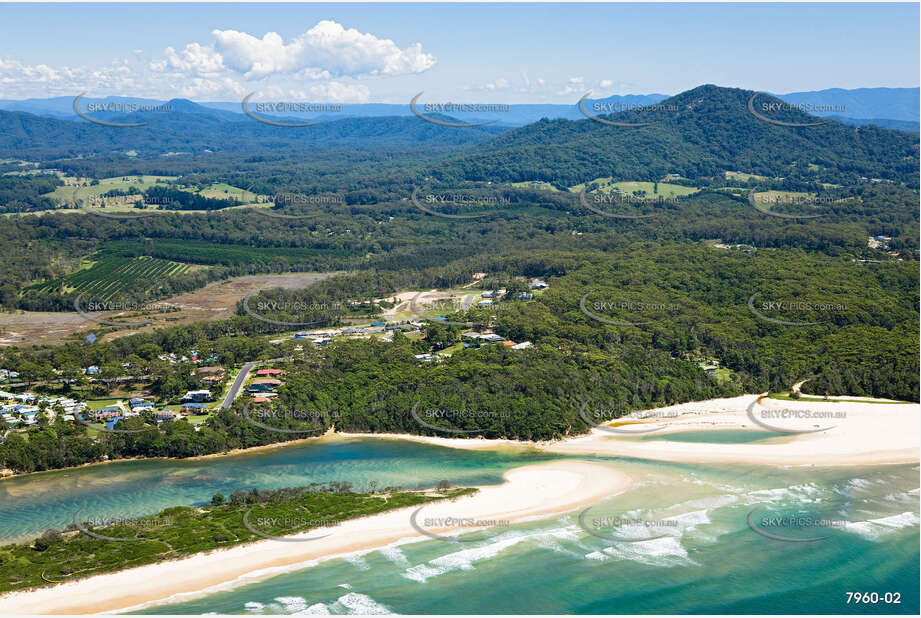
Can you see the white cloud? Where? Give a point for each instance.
(498, 84)
(231, 65)
(606, 83)
(575, 85)
(194, 59)
(327, 48)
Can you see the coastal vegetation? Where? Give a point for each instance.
(102, 545)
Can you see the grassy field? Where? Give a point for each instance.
(67, 193)
(181, 531)
(110, 275)
(743, 177)
(534, 184)
(665, 190)
(89, 197)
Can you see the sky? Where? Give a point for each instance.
(497, 53)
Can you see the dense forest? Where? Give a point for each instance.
(631, 302)
(710, 130)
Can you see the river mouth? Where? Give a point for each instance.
(31, 504)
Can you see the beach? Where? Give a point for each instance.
(864, 431)
(529, 492)
(764, 431)
(800, 433)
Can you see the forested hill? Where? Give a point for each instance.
(698, 133)
(192, 129)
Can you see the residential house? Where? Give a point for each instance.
(268, 372)
(263, 385)
(197, 396)
(212, 370)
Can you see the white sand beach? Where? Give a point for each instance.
(862, 431)
(865, 432)
(834, 433)
(529, 492)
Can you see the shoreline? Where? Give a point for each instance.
(529, 492)
(230, 453)
(711, 414)
(795, 433)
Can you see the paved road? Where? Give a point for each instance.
(241, 378)
(237, 384)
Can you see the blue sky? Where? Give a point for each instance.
(506, 53)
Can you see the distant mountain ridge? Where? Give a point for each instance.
(186, 127)
(698, 133)
(889, 107)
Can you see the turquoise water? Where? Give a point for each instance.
(709, 562)
(707, 559)
(29, 505)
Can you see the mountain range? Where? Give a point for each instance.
(698, 133)
(894, 108)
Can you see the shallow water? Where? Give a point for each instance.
(706, 560)
(31, 504)
(681, 540)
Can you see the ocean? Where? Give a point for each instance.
(684, 539)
